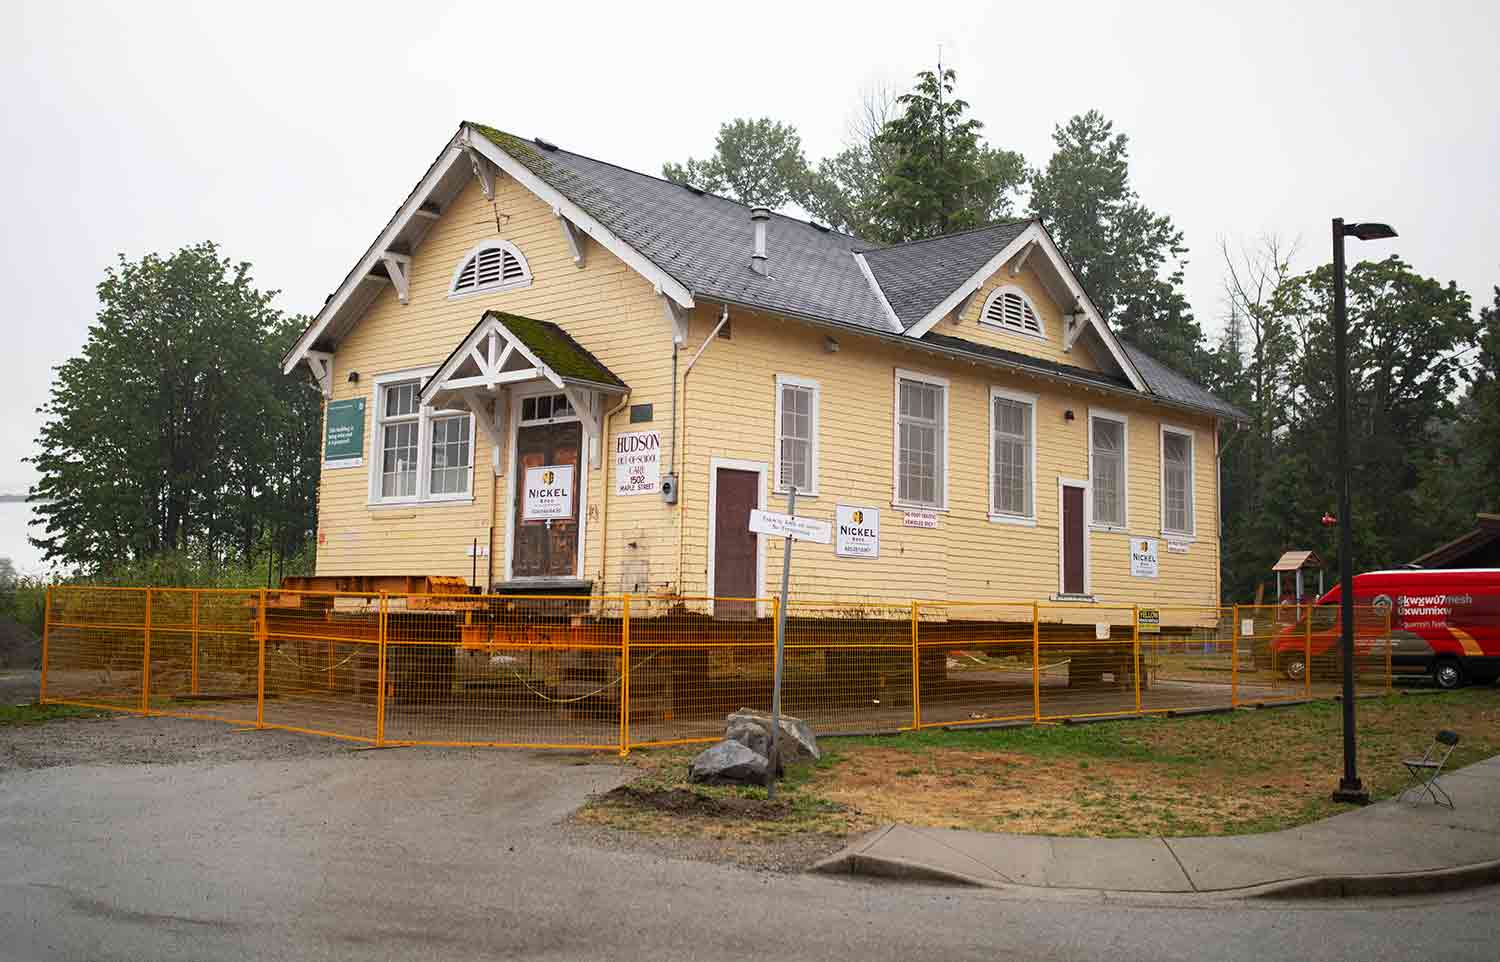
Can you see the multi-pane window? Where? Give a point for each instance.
(450, 455)
(546, 407)
(400, 425)
(1012, 486)
(796, 435)
(1107, 469)
(921, 413)
(424, 454)
(1177, 482)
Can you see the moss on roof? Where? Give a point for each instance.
(555, 348)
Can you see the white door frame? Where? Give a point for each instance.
(519, 392)
(734, 464)
(1062, 535)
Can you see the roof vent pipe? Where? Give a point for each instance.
(759, 216)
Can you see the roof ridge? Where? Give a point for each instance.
(937, 237)
(554, 148)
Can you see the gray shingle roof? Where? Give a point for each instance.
(704, 241)
(1167, 383)
(918, 275)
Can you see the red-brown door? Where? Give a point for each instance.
(1074, 530)
(546, 548)
(736, 493)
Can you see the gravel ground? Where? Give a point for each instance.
(133, 740)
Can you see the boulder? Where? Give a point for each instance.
(797, 739)
(729, 761)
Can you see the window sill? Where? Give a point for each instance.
(782, 492)
(1013, 519)
(496, 289)
(414, 503)
(1090, 599)
(1108, 528)
(1178, 536)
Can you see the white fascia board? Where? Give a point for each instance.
(377, 250)
(582, 220)
(1102, 329)
(890, 312)
(975, 282)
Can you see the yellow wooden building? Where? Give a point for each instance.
(551, 374)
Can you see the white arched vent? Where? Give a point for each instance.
(1009, 308)
(493, 265)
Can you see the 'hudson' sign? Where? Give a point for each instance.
(856, 532)
(548, 493)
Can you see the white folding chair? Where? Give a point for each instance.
(1424, 771)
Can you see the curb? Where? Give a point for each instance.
(1452, 879)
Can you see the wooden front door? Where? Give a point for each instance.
(735, 545)
(546, 548)
(1074, 531)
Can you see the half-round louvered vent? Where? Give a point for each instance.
(491, 265)
(1009, 308)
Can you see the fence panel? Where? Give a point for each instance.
(1089, 663)
(694, 660)
(204, 653)
(1271, 652)
(1189, 661)
(96, 646)
(504, 670)
(849, 666)
(321, 662)
(976, 662)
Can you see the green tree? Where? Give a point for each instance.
(942, 177)
(756, 162)
(174, 430)
(1128, 258)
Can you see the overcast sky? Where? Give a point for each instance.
(290, 132)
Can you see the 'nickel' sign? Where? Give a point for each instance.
(857, 532)
(548, 493)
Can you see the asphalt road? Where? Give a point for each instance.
(410, 854)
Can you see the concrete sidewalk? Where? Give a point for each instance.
(1388, 848)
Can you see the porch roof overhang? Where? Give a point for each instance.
(505, 350)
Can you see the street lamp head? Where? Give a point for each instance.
(1369, 231)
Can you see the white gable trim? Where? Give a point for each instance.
(374, 255)
(663, 282)
(1033, 234)
(890, 312)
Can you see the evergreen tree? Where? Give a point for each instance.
(1128, 258)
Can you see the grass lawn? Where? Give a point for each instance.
(1248, 771)
(33, 714)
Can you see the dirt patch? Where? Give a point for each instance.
(684, 801)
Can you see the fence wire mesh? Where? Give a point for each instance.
(624, 671)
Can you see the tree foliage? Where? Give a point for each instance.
(1415, 454)
(1129, 258)
(174, 430)
(756, 162)
(942, 177)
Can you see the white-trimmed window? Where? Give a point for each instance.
(1176, 481)
(492, 265)
(422, 454)
(1009, 308)
(921, 440)
(1108, 458)
(796, 434)
(1012, 456)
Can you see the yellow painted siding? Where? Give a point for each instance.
(606, 305)
(731, 413)
(1050, 347)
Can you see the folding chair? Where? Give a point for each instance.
(1424, 771)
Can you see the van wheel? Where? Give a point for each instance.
(1295, 668)
(1448, 674)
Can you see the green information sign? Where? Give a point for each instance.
(344, 434)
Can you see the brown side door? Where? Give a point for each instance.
(1074, 530)
(736, 494)
(546, 549)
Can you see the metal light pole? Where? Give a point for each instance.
(1350, 788)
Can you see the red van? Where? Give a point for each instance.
(1444, 623)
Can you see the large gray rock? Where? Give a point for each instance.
(729, 761)
(797, 739)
